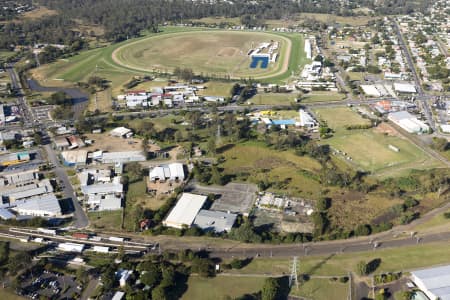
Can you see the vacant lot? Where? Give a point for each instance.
(220, 287)
(105, 142)
(257, 162)
(106, 219)
(211, 52)
(338, 117)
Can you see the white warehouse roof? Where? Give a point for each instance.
(405, 88)
(434, 282)
(185, 211)
(45, 206)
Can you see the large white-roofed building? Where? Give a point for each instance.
(434, 282)
(405, 88)
(44, 206)
(408, 122)
(185, 211)
(122, 157)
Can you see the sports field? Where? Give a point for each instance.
(224, 53)
(369, 149)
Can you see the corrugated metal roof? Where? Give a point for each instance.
(185, 210)
(215, 220)
(436, 280)
(6, 214)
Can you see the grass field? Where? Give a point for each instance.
(260, 162)
(396, 259)
(218, 288)
(9, 294)
(209, 52)
(369, 149)
(106, 219)
(321, 289)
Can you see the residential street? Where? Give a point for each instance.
(80, 217)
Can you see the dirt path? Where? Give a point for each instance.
(284, 66)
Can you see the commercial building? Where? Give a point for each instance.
(122, 157)
(42, 206)
(185, 211)
(173, 172)
(18, 178)
(215, 220)
(405, 88)
(74, 158)
(101, 249)
(306, 120)
(122, 132)
(434, 282)
(104, 196)
(11, 159)
(408, 122)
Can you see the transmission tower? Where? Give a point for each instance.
(293, 278)
(218, 135)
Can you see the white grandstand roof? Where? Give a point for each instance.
(185, 210)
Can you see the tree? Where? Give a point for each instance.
(216, 178)
(362, 268)
(159, 293)
(134, 171)
(151, 277)
(4, 252)
(211, 146)
(203, 266)
(37, 138)
(323, 204)
(108, 278)
(270, 289)
(82, 275)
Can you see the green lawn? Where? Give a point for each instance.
(221, 287)
(338, 117)
(322, 97)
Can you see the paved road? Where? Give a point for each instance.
(80, 218)
(25, 111)
(421, 94)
